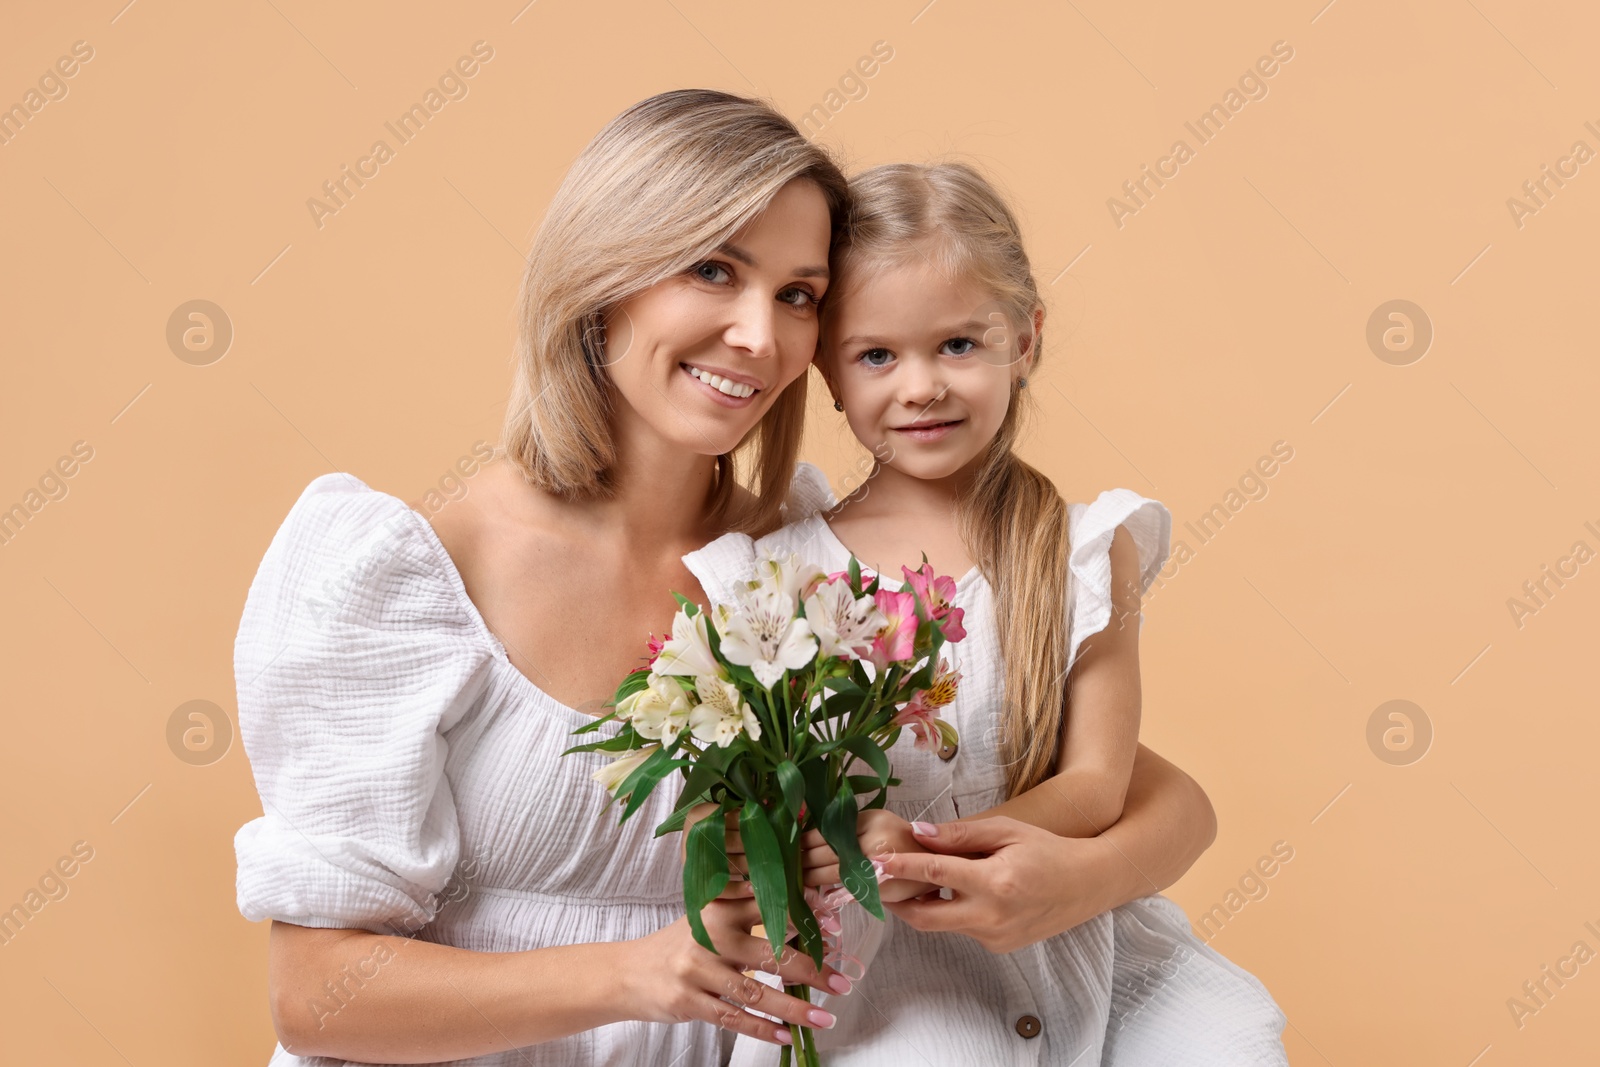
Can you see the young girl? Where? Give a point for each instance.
(930, 336)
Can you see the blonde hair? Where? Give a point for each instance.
(1012, 519)
(661, 187)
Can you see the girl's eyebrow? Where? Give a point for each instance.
(973, 326)
(733, 251)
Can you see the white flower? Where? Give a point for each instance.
(787, 575)
(763, 634)
(844, 625)
(616, 772)
(659, 711)
(721, 713)
(688, 652)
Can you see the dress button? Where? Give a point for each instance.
(1028, 1026)
(948, 752)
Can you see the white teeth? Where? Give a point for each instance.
(721, 384)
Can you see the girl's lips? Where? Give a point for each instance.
(933, 432)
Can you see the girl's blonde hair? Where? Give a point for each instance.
(660, 188)
(1012, 519)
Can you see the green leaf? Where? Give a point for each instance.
(705, 870)
(767, 871)
(594, 724)
(815, 773)
(865, 749)
(855, 871)
(643, 778)
(793, 785)
(804, 920)
(690, 608)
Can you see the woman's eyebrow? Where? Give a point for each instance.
(733, 251)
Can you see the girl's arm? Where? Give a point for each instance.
(1096, 756)
(356, 995)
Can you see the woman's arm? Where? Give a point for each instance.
(1028, 883)
(356, 995)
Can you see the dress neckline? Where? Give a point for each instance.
(962, 583)
(452, 576)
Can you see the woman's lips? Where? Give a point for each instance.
(699, 377)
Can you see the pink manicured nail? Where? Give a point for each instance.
(818, 1017)
(783, 1037)
(839, 984)
(924, 829)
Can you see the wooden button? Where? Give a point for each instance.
(948, 752)
(1028, 1026)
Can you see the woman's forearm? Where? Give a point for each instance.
(356, 995)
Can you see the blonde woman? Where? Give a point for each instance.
(442, 885)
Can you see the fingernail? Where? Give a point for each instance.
(924, 829)
(783, 1037)
(818, 1017)
(839, 984)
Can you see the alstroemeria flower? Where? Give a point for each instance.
(843, 623)
(721, 713)
(688, 652)
(655, 645)
(616, 772)
(935, 592)
(659, 711)
(897, 639)
(789, 575)
(762, 633)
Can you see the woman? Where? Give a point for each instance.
(443, 886)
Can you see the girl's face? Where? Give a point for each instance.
(923, 364)
(701, 357)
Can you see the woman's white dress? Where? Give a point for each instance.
(1132, 987)
(412, 778)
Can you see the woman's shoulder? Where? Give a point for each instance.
(347, 554)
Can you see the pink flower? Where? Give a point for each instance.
(934, 593)
(896, 641)
(654, 645)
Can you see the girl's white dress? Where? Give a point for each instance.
(1133, 987)
(412, 778)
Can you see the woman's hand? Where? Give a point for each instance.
(1024, 884)
(671, 978)
(880, 831)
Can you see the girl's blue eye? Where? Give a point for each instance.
(876, 357)
(715, 273)
(958, 346)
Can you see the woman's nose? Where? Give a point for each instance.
(754, 326)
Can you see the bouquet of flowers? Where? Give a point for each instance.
(780, 707)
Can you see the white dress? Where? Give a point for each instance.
(412, 780)
(1132, 987)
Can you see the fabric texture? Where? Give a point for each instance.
(1133, 987)
(412, 780)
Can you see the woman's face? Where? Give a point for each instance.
(700, 358)
(924, 366)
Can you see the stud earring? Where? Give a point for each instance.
(1022, 383)
(838, 406)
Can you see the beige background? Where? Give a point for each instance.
(1228, 313)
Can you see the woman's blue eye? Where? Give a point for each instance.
(959, 346)
(876, 357)
(795, 296)
(715, 273)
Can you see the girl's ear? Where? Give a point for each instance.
(1029, 345)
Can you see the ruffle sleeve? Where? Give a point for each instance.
(730, 560)
(356, 652)
(1090, 530)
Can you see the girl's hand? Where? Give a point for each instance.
(671, 978)
(1025, 884)
(880, 831)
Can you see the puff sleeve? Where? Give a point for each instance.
(1090, 529)
(724, 564)
(357, 651)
